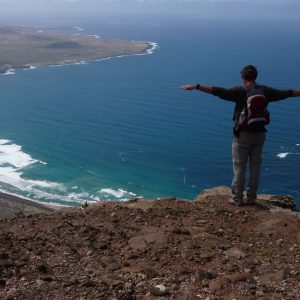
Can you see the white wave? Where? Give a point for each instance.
(52, 197)
(283, 155)
(119, 193)
(4, 141)
(12, 154)
(297, 145)
(29, 68)
(94, 36)
(148, 51)
(78, 28)
(102, 59)
(83, 62)
(153, 47)
(9, 72)
(13, 161)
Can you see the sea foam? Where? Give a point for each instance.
(283, 155)
(119, 193)
(78, 28)
(9, 72)
(13, 162)
(12, 154)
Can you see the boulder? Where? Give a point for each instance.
(141, 242)
(219, 190)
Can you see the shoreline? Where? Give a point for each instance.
(12, 206)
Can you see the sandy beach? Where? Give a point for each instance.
(11, 206)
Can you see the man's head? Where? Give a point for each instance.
(249, 74)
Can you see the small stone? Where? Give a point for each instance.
(237, 277)
(224, 246)
(202, 222)
(206, 256)
(279, 241)
(235, 252)
(2, 283)
(142, 276)
(150, 272)
(140, 284)
(183, 270)
(47, 278)
(275, 277)
(88, 283)
(42, 268)
(201, 275)
(218, 284)
(159, 290)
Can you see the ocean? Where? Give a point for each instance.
(120, 128)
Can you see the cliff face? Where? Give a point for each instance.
(172, 249)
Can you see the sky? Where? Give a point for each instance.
(12, 11)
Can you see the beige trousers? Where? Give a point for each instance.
(247, 147)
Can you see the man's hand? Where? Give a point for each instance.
(296, 93)
(198, 87)
(188, 87)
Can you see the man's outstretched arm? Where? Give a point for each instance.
(232, 94)
(202, 88)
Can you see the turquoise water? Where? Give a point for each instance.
(120, 128)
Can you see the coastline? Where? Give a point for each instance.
(10, 69)
(12, 206)
(59, 50)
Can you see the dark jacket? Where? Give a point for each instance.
(239, 96)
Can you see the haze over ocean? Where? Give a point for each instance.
(120, 128)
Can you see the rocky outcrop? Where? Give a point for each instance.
(284, 201)
(167, 249)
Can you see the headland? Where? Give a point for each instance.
(25, 47)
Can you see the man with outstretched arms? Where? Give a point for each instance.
(250, 118)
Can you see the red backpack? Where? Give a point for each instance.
(255, 114)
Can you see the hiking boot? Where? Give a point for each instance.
(236, 202)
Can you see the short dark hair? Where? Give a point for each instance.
(249, 72)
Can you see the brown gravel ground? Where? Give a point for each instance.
(205, 249)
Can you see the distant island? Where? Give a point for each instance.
(24, 47)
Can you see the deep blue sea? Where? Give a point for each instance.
(120, 128)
